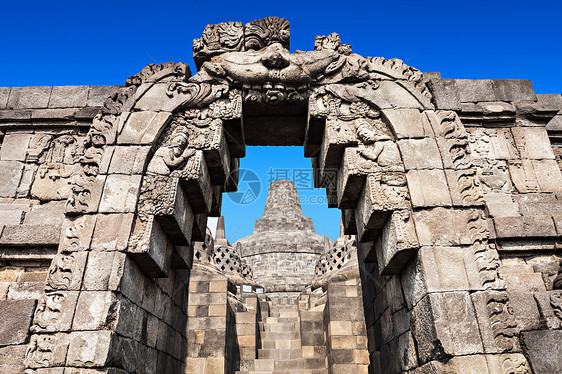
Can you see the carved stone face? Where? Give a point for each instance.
(179, 142)
(366, 133)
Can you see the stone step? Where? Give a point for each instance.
(297, 371)
(279, 335)
(282, 344)
(280, 354)
(285, 312)
(301, 363)
(274, 320)
(281, 327)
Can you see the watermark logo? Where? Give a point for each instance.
(249, 188)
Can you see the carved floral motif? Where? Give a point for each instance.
(177, 71)
(556, 303)
(515, 364)
(61, 272)
(101, 132)
(503, 322)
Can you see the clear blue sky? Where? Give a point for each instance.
(104, 42)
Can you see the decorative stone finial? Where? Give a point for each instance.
(234, 37)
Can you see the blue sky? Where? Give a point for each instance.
(104, 42)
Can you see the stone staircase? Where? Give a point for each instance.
(281, 346)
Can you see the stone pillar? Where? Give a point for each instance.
(210, 323)
(344, 323)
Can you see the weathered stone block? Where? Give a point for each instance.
(52, 211)
(16, 320)
(10, 175)
(525, 310)
(428, 188)
(124, 159)
(442, 226)
(89, 348)
(513, 90)
(103, 271)
(548, 175)
(96, 310)
(4, 95)
(407, 123)
(471, 91)
(29, 97)
(445, 93)
(141, 127)
(150, 247)
(120, 194)
(12, 359)
(524, 226)
(14, 146)
(112, 232)
(501, 205)
(445, 324)
(69, 97)
(30, 235)
(397, 244)
(98, 94)
(447, 269)
(532, 143)
(544, 349)
(420, 154)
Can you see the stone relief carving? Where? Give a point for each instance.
(177, 71)
(403, 71)
(389, 190)
(47, 314)
(157, 194)
(556, 303)
(171, 157)
(515, 364)
(101, 132)
(402, 227)
(503, 322)
(333, 42)
(377, 150)
(266, 31)
(217, 39)
(61, 272)
(456, 138)
(40, 352)
(57, 156)
(333, 101)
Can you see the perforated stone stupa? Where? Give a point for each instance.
(284, 248)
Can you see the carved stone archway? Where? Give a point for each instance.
(386, 157)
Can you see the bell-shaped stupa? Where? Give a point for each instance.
(283, 249)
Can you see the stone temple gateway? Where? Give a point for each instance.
(448, 261)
